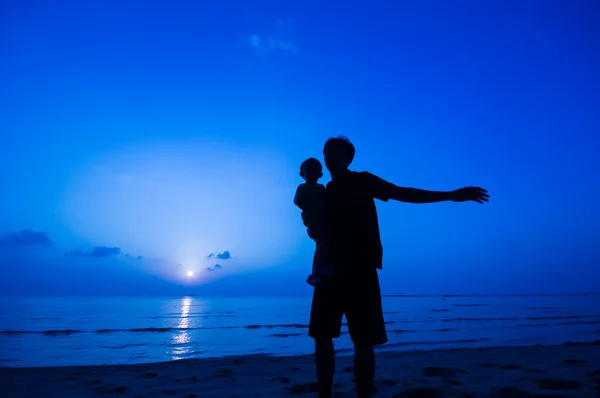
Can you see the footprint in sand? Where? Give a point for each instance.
(510, 367)
(172, 392)
(559, 384)
(536, 371)
(442, 372)
(488, 365)
(574, 362)
(224, 373)
(148, 375)
(452, 382)
(388, 383)
(511, 392)
(306, 388)
(595, 376)
(282, 380)
(119, 390)
(420, 393)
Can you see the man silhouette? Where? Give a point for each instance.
(358, 254)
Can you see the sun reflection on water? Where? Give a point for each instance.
(181, 339)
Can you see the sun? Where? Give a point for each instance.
(190, 274)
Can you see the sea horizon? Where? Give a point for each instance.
(308, 295)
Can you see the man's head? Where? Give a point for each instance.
(311, 170)
(339, 153)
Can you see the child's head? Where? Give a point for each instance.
(311, 170)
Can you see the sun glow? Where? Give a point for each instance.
(190, 274)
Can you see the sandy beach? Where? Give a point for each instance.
(568, 370)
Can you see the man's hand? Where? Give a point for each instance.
(466, 194)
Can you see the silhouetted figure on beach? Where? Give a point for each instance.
(358, 254)
(310, 198)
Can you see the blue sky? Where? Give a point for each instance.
(172, 130)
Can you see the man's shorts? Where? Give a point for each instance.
(358, 297)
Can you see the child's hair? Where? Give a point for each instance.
(311, 162)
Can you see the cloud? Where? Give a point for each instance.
(224, 256)
(221, 256)
(276, 42)
(216, 267)
(26, 238)
(98, 251)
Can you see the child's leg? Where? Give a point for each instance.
(321, 270)
(312, 279)
(323, 266)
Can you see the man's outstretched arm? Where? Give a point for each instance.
(383, 190)
(414, 195)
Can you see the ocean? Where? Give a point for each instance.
(101, 331)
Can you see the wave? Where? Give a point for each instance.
(293, 325)
(569, 320)
(580, 323)
(193, 316)
(125, 345)
(54, 332)
(44, 332)
(496, 295)
(542, 318)
(471, 305)
(480, 319)
(286, 335)
(533, 318)
(401, 344)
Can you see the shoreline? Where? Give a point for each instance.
(566, 370)
(388, 348)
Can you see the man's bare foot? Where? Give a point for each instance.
(313, 280)
(325, 272)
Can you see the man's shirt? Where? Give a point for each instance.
(350, 206)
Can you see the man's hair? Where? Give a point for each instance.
(343, 142)
(310, 161)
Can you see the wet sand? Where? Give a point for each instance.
(568, 370)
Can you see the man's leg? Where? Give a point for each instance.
(366, 325)
(325, 359)
(364, 369)
(325, 325)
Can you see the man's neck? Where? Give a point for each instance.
(337, 174)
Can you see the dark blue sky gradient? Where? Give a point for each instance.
(172, 130)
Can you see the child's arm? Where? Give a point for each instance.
(300, 197)
(305, 217)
